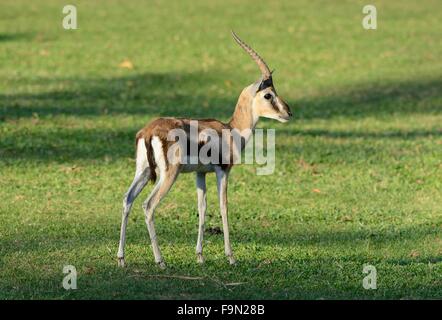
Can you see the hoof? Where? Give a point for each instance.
(162, 265)
(232, 260)
(200, 258)
(121, 262)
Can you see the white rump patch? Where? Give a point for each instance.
(160, 159)
(141, 161)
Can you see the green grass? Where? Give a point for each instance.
(367, 135)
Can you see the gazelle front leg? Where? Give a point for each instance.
(221, 179)
(202, 205)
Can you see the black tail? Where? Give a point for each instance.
(151, 159)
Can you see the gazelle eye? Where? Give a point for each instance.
(267, 96)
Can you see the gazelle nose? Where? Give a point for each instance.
(289, 113)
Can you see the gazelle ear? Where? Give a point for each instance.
(254, 89)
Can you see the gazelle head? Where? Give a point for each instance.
(265, 101)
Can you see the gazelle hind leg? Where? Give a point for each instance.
(141, 178)
(167, 178)
(136, 187)
(202, 205)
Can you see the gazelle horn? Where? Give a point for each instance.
(266, 74)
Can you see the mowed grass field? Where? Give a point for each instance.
(358, 177)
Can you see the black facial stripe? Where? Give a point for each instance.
(266, 83)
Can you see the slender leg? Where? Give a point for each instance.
(221, 177)
(163, 186)
(136, 187)
(202, 205)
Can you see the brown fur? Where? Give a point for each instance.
(242, 119)
(242, 116)
(160, 127)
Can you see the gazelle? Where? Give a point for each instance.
(153, 154)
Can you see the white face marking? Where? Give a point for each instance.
(265, 107)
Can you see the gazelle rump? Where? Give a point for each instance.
(153, 156)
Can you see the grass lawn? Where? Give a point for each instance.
(358, 176)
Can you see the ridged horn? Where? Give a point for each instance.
(266, 74)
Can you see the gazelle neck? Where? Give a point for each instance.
(243, 119)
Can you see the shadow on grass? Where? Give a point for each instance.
(14, 36)
(391, 134)
(197, 95)
(85, 235)
(62, 145)
(149, 94)
(376, 100)
(289, 277)
(312, 278)
(191, 95)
